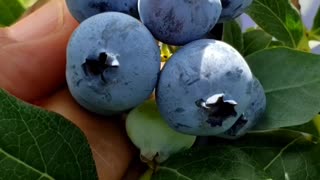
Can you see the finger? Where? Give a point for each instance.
(47, 20)
(34, 65)
(112, 150)
(4, 37)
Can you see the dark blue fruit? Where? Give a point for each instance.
(204, 88)
(177, 22)
(232, 9)
(113, 63)
(251, 116)
(83, 9)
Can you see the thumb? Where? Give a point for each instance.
(111, 148)
(47, 20)
(32, 64)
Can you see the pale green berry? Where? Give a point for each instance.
(149, 132)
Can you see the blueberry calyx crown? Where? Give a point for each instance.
(239, 124)
(217, 108)
(96, 67)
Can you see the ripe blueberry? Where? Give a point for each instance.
(83, 9)
(204, 88)
(113, 63)
(177, 22)
(232, 9)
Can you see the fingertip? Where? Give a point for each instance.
(51, 18)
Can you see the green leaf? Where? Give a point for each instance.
(269, 155)
(211, 162)
(255, 40)
(284, 154)
(278, 18)
(292, 85)
(36, 144)
(275, 43)
(232, 35)
(12, 10)
(316, 23)
(27, 3)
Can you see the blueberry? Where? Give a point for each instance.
(177, 22)
(232, 9)
(204, 88)
(83, 9)
(251, 116)
(113, 63)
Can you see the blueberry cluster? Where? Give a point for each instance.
(205, 88)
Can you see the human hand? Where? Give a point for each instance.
(32, 68)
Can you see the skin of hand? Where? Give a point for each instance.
(32, 68)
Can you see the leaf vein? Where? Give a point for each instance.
(280, 153)
(35, 141)
(26, 165)
(292, 86)
(174, 171)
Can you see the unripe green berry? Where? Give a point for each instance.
(150, 133)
